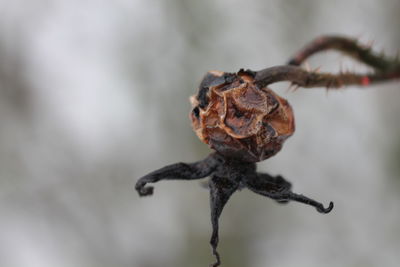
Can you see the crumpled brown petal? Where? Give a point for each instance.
(245, 108)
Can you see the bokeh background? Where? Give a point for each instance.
(94, 94)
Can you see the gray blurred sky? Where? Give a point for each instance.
(94, 94)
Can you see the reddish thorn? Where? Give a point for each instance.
(365, 81)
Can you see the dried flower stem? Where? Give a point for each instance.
(385, 69)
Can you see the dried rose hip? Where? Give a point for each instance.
(238, 119)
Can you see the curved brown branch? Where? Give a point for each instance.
(348, 46)
(385, 69)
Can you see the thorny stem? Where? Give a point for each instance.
(348, 46)
(307, 79)
(385, 69)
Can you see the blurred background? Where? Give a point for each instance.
(94, 95)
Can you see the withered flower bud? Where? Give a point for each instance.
(238, 119)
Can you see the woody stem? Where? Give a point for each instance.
(348, 46)
(385, 69)
(308, 79)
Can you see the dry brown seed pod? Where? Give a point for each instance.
(238, 119)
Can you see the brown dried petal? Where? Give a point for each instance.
(249, 97)
(245, 107)
(240, 123)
